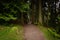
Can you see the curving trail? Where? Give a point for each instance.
(31, 32)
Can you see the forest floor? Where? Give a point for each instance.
(14, 32)
(26, 32)
(32, 32)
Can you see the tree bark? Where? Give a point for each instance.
(40, 12)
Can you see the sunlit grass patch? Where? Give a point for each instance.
(11, 33)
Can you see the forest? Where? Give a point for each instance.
(15, 14)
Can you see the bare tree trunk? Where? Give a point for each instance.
(40, 12)
(22, 20)
(32, 5)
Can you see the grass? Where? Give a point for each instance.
(11, 32)
(47, 34)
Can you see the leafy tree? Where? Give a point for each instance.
(12, 9)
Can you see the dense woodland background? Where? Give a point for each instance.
(41, 12)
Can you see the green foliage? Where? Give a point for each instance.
(49, 33)
(25, 7)
(7, 18)
(54, 33)
(11, 32)
(12, 8)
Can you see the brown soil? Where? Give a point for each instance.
(31, 32)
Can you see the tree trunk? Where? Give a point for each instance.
(32, 16)
(40, 12)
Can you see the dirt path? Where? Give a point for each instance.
(31, 32)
